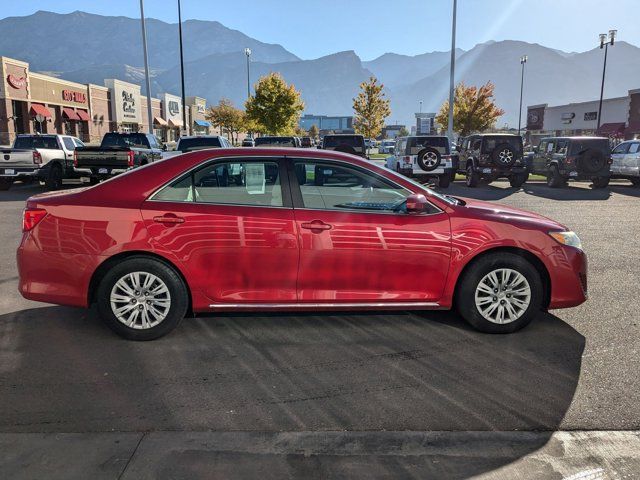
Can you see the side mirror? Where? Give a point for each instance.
(416, 203)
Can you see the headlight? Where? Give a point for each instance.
(567, 238)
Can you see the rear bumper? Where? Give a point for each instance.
(15, 173)
(492, 170)
(98, 172)
(568, 271)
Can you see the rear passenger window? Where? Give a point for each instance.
(634, 148)
(622, 148)
(228, 183)
(68, 143)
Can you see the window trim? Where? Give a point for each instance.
(298, 202)
(287, 201)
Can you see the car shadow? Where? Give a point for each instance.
(486, 192)
(62, 370)
(625, 189)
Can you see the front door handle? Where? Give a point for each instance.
(316, 226)
(168, 218)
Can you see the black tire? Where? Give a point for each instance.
(179, 297)
(517, 180)
(444, 180)
(599, 182)
(429, 159)
(472, 177)
(503, 155)
(635, 182)
(472, 276)
(591, 161)
(554, 179)
(5, 184)
(54, 179)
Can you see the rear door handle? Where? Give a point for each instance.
(168, 218)
(317, 225)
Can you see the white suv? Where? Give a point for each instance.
(626, 161)
(424, 157)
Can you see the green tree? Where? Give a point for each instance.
(474, 109)
(371, 108)
(403, 132)
(276, 105)
(314, 131)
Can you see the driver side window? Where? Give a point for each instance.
(332, 186)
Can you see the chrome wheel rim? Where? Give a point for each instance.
(502, 296)
(430, 159)
(505, 156)
(140, 300)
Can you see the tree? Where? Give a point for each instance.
(227, 118)
(300, 132)
(371, 108)
(474, 109)
(314, 131)
(275, 105)
(403, 132)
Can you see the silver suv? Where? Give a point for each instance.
(626, 161)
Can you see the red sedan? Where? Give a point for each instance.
(289, 229)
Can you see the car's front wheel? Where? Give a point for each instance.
(518, 179)
(5, 184)
(473, 178)
(500, 293)
(142, 298)
(554, 179)
(600, 182)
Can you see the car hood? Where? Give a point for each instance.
(498, 212)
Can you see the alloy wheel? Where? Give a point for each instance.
(140, 300)
(503, 295)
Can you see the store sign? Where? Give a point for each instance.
(172, 109)
(16, 82)
(200, 107)
(590, 116)
(535, 118)
(125, 102)
(73, 96)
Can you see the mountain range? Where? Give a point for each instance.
(90, 48)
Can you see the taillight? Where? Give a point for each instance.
(131, 154)
(407, 159)
(37, 158)
(75, 158)
(32, 217)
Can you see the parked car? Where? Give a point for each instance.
(328, 231)
(387, 146)
(272, 141)
(346, 143)
(626, 161)
(200, 142)
(424, 157)
(306, 142)
(45, 158)
(489, 156)
(248, 142)
(562, 159)
(117, 153)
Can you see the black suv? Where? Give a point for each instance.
(573, 158)
(272, 141)
(353, 144)
(490, 156)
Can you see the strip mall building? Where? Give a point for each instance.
(32, 102)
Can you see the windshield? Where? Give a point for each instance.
(36, 142)
(125, 140)
(189, 144)
(355, 141)
(275, 141)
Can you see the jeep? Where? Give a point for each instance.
(424, 157)
(489, 156)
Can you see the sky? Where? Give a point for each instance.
(313, 28)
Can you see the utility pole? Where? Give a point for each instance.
(523, 60)
(247, 52)
(604, 43)
(184, 101)
(146, 67)
(451, 73)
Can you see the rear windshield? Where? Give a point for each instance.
(333, 141)
(490, 143)
(601, 144)
(125, 140)
(189, 144)
(275, 141)
(36, 142)
(415, 144)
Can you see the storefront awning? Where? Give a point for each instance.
(70, 114)
(202, 123)
(611, 129)
(83, 114)
(160, 121)
(175, 124)
(39, 109)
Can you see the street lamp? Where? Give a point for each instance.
(420, 106)
(523, 60)
(184, 111)
(451, 72)
(247, 52)
(604, 43)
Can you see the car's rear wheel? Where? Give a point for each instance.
(54, 179)
(5, 184)
(600, 182)
(554, 179)
(472, 177)
(444, 180)
(142, 298)
(517, 180)
(500, 293)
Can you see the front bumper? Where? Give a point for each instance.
(568, 271)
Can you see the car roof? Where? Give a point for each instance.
(577, 137)
(425, 136)
(344, 135)
(187, 137)
(493, 135)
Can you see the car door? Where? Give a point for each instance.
(631, 162)
(357, 245)
(234, 234)
(618, 158)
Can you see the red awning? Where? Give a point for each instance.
(611, 129)
(70, 113)
(84, 116)
(39, 109)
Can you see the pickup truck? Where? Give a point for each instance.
(117, 153)
(200, 142)
(46, 158)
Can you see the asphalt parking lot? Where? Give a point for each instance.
(254, 376)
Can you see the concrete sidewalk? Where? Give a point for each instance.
(604, 455)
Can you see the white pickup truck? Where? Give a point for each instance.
(47, 158)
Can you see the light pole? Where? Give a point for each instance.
(451, 73)
(420, 106)
(604, 43)
(146, 67)
(184, 101)
(247, 52)
(523, 60)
